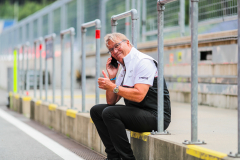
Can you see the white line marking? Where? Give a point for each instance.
(44, 140)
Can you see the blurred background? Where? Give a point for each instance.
(27, 20)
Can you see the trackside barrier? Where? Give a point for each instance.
(160, 8)
(18, 68)
(97, 24)
(36, 42)
(27, 77)
(194, 75)
(50, 53)
(237, 155)
(134, 16)
(22, 69)
(70, 31)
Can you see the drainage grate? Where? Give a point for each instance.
(87, 154)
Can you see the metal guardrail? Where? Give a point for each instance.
(134, 17)
(97, 24)
(36, 42)
(70, 31)
(50, 38)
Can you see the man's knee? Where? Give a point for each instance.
(97, 109)
(108, 113)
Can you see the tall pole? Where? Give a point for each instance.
(194, 71)
(237, 155)
(182, 17)
(161, 9)
(40, 74)
(72, 69)
(62, 70)
(83, 68)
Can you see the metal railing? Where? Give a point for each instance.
(70, 31)
(97, 24)
(50, 53)
(134, 17)
(237, 155)
(36, 42)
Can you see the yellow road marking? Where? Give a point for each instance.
(71, 113)
(143, 136)
(52, 107)
(204, 153)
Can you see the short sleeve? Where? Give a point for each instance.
(145, 72)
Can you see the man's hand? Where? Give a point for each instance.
(112, 71)
(105, 83)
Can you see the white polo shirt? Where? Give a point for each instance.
(139, 68)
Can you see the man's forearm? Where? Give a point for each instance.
(111, 97)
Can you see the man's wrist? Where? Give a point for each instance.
(113, 79)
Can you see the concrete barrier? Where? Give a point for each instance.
(26, 107)
(11, 100)
(154, 148)
(80, 127)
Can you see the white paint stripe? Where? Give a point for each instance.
(44, 140)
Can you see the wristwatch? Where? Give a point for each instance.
(116, 90)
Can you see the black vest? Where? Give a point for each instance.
(149, 102)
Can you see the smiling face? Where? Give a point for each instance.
(121, 51)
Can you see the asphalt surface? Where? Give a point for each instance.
(17, 142)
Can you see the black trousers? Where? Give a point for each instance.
(111, 122)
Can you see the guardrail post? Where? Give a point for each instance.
(27, 76)
(51, 54)
(35, 67)
(53, 73)
(83, 76)
(18, 69)
(182, 17)
(40, 70)
(46, 74)
(62, 69)
(134, 15)
(23, 50)
(160, 81)
(194, 75)
(237, 155)
(70, 31)
(97, 24)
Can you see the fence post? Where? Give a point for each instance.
(97, 24)
(27, 78)
(237, 155)
(47, 38)
(62, 69)
(35, 67)
(83, 76)
(160, 81)
(18, 69)
(23, 50)
(182, 17)
(144, 12)
(40, 74)
(134, 15)
(46, 74)
(70, 31)
(194, 75)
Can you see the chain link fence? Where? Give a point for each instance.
(210, 9)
